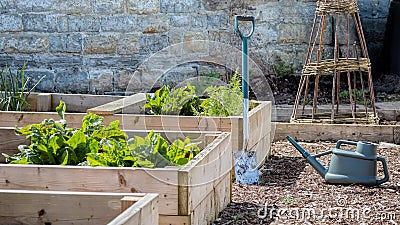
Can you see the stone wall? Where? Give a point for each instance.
(94, 46)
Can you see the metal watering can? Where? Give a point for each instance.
(348, 167)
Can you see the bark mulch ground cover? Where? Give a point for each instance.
(292, 192)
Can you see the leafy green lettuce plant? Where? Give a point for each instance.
(94, 144)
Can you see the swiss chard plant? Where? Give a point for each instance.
(220, 100)
(94, 144)
(180, 101)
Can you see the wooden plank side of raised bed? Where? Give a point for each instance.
(81, 102)
(259, 131)
(9, 142)
(386, 110)
(209, 208)
(129, 104)
(143, 212)
(174, 220)
(396, 135)
(20, 119)
(199, 177)
(306, 131)
(95, 179)
(60, 207)
(47, 102)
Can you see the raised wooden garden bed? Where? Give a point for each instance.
(192, 194)
(62, 207)
(130, 111)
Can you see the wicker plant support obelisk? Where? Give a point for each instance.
(342, 15)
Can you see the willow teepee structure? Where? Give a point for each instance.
(338, 23)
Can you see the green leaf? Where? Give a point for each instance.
(60, 109)
(77, 139)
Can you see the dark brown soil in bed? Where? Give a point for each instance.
(292, 192)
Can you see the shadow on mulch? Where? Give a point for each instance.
(282, 170)
(246, 214)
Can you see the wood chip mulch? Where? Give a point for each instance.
(292, 192)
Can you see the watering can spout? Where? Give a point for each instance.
(310, 159)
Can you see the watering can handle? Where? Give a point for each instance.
(340, 142)
(244, 18)
(385, 171)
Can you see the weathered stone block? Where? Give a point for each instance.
(218, 20)
(34, 5)
(54, 61)
(122, 79)
(223, 36)
(216, 5)
(143, 6)
(10, 22)
(343, 35)
(39, 22)
(271, 12)
(65, 43)
(7, 6)
(73, 6)
(109, 6)
(124, 62)
(191, 46)
(100, 44)
(71, 81)
(263, 34)
(376, 31)
(128, 44)
(153, 24)
(1, 43)
(79, 24)
(175, 36)
(151, 43)
(6, 60)
(179, 20)
(26, 43)
(100, 81)
(374, 8)
(45, 85)
(119, 23)
(180, 6)
(293, 33)
(199, 21)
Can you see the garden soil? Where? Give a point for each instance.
(292, 192)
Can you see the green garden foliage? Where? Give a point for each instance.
(14, 90)
(94, 144)
(221, 100)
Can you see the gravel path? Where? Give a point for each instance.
(292, 192)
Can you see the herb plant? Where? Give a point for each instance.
(223, 100)
(94, 144)
(14, 89)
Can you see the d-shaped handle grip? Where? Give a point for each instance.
(340, 142)
(385, 171)
(244, 18)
